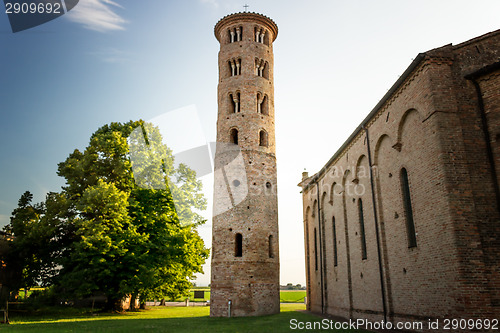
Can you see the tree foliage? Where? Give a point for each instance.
(116, 226)
(28, 256)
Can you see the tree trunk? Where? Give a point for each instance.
(133, 299)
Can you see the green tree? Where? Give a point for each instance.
(121, 223)
(105, 237)
(173, 251)
(27, 257)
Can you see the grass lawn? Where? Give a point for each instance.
(292, 296)
(160, 319)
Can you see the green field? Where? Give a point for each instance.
(292, 296)
(286, 296)
(161, 319)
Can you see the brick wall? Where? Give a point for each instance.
(430, 125)
(245, 186)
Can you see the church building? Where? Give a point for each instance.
(403, 222)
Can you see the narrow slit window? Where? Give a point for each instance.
(410, 224)
(362, 229)
(335, 255)
(234, 136)
(271, 249)
(263, 138)
(238, 247)
(315, 250)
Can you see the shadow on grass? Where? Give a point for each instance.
(168, 320)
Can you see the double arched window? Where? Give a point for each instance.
(261, 68)
(261, 36)
(235, 66)
(235, 34)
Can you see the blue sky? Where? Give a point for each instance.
(125, 59)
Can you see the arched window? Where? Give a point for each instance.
(238, 246)
(362, 229)
(265, 106)
(315, 250)
(233, 136)
(263, 138)
(262, 104)
(335, 256)
(265, 71)
(410, 225)
(271, 249)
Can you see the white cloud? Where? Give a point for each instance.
(97, 15)
(214, 3)
(111, 55)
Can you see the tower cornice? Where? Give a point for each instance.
(246, 16)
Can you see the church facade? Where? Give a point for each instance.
(403, 222)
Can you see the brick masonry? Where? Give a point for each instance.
(440, 122)
(245, 187)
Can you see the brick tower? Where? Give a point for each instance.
(245, 256)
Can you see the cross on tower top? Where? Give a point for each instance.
(246, 7)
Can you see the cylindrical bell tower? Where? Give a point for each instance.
(245, 255)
